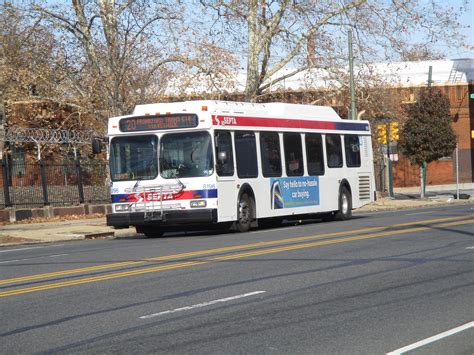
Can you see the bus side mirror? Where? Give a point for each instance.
(96, 145)
(222, 158)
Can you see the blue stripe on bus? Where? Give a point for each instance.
(346, 126)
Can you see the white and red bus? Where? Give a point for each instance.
(208, 162)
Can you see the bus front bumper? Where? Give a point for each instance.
(171, 218)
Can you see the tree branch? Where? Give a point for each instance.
(283, 77)
(313, 29)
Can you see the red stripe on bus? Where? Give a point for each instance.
(270, 122)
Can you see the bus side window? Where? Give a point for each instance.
(334, 150)
(293, 154)
(352, 148)
(246, 154)
(314, 154)
(224, 155)
(270, 154)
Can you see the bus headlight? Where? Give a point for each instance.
(122, 208)
(198, 203)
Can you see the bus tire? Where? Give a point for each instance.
(345, 205)
(244, 214)
(150, 231)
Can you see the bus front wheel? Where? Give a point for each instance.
(150, 231)
(245, 213)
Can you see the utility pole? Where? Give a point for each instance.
(353, 115)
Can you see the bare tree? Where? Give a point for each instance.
(27, 58)
(420, 52)
(114, 52)
(277, 34)
(32, 83)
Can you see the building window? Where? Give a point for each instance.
(18, 161)
(459, 93)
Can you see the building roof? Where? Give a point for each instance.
(393, 74)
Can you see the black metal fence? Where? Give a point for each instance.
(47, 183)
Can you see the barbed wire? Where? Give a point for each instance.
(50, 136)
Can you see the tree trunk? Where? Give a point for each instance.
(252, 85)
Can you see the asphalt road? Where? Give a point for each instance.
(376, 284)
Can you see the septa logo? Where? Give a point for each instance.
(216, 120)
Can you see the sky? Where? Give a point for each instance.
(467, 19)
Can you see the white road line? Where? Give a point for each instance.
(9, 250)
(38, 257)
(29, 248)
(432, 339)
(199, 305)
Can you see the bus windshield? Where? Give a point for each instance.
(184, 155)
(133, 158)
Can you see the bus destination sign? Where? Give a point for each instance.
(158, 122)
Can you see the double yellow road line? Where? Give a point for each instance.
(383, 231)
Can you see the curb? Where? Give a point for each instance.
(433, 204)
(20, 214)
(67, 238)
(102, 235)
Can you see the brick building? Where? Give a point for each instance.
(456, 80)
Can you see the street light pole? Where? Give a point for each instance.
(351, 77)
(423, 168)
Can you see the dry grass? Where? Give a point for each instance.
(5, 239)
(56, 219)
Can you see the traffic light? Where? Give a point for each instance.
(394, 132)
(382, 133)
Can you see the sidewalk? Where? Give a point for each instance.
(55, 231)
(93, 228)
(451, 188)
(387, 204)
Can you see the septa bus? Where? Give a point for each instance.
(204, 163)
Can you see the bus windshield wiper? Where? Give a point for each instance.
(164, 163)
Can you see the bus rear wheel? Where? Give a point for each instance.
(244, 213)
(345, 208)
(345, 205)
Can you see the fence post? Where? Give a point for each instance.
(44, 182)
(6, 182)
(79, 180)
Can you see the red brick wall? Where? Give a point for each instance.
(438, 173)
